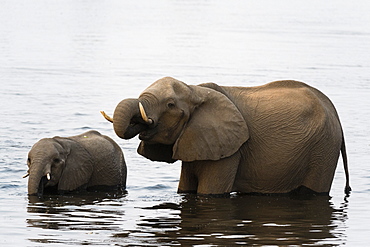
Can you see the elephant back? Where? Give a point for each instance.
(107, 158)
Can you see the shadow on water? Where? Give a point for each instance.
(238, 220)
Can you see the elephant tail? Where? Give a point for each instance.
(347, 189)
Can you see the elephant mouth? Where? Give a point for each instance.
(139, 127)
(43, 188)
(148, 134)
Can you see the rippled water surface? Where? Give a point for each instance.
(61, 62)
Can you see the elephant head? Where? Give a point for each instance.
(176, 121)
(57, 164)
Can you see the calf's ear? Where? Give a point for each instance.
(78, 167)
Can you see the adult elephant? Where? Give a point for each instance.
(86, 161)
(281, 137)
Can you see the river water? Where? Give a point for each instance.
(61, 62)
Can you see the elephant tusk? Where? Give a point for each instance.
(143, 114)
(25, 175)
(48, 176)
(106, 116)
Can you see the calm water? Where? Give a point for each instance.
(61, 62)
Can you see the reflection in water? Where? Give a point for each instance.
(259, 220)
(85, 211)
(242, 220)
(239, 220)
(106, 218)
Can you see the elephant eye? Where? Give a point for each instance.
(56, 160)
(170, 105)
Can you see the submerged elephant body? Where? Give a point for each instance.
(275, 138)
(64, 164)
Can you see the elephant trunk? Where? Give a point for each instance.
(35, 183)
(127, 120)
(38, 178)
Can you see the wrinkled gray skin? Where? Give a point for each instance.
(281, 137)
(73, 163)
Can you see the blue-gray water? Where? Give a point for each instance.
(61, 62)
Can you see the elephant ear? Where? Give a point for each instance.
(78, 166)
(215, 130)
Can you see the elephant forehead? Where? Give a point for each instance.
(41, 144)
(167, 87)
(43, 147)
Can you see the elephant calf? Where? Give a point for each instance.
(64, 164)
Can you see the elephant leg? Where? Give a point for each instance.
(209, 177)
(322, 168)
(188, 180)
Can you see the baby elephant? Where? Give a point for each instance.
(64, 164)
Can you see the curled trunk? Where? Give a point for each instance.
(127, 121)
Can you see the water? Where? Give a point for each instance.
(61, 62)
